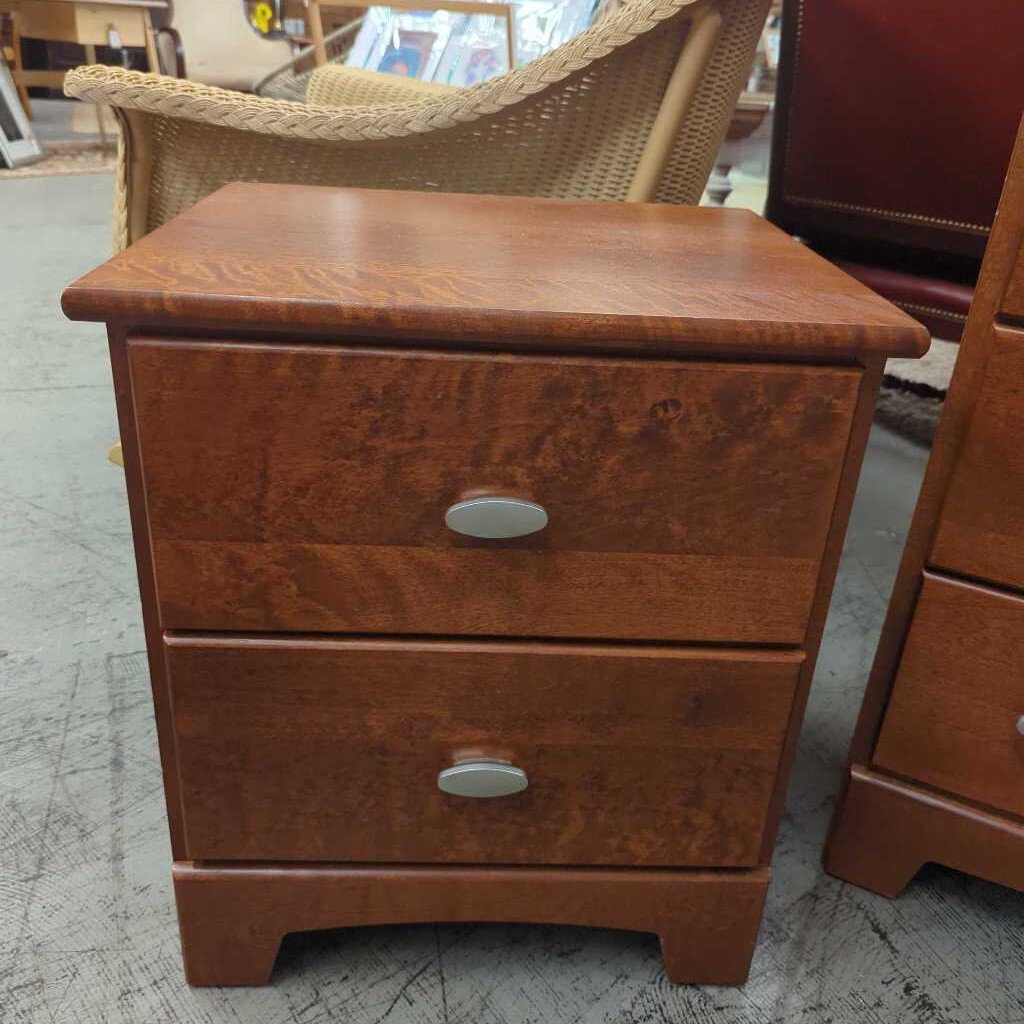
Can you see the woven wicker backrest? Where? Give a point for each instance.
(570, 124)
(610, 106)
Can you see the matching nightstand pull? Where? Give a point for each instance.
(496, 518)
(1020, 725)
(482, 778)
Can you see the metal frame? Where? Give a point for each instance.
(24, 150)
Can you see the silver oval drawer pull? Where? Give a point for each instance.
(495, 518)
(482, 778)
(1020, 725)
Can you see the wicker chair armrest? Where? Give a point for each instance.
(190, 101)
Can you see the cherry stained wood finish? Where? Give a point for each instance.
(677, 509)
(954, 426)
(639, 756)
(147, 590)
(715, 496)
(889, 829)
(233, 917)
(487, 270)
(981, 527)
(1013, 300)
(952, 717)
(859, 434)
(870, 824)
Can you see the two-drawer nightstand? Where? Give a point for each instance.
(485, 547)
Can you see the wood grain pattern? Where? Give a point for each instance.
(1013, 300)
(851, 467)
(961, 402)
(677, 509)
(640, 756)
(952, 717)
(490, 270)
(981, 527)
(947, 724)
(889, 829)
(295, 483)
(233, 918)
(132, 462)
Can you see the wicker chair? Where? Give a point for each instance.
(634, 109)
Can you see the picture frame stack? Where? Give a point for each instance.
(18, 143)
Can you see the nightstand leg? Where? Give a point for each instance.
(224, 941)
(879, 835)
(713, 952)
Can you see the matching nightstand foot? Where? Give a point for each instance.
(224, 941)
(228, 957)
(886, 829)
(689, 961)
(874, 842)
(233, 918)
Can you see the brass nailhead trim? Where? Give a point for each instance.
(873, 211)
(881, 211)
(933, 310)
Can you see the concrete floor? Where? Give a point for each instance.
(87, 930)
(61, 120)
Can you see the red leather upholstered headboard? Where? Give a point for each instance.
(896, 119)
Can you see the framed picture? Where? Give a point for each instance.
(18, 143)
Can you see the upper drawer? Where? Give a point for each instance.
(305, 488)
(953, 717)
(981, 527)
(312, 749)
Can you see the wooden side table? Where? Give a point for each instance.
(485, 547)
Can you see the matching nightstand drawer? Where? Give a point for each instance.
(331, 750)
(305, 489)
(955, 719)
(981, 527)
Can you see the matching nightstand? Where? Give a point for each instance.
(485, 547)
(937, 761)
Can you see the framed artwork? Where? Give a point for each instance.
(409, 57)
(459, 43)
(18, 143)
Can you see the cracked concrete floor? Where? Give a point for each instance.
(87, 931)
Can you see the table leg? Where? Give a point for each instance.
(316, 32)
(152, 55)
(90, 57)
(16, 46)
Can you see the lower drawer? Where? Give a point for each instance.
(953, 717)
(314, 749)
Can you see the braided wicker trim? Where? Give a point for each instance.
(173, 97)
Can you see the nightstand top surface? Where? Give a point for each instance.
(496, 271)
